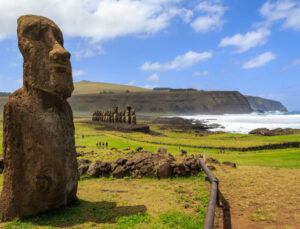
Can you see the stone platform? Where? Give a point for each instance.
(123, 127)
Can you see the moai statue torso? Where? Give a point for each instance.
(38, 131)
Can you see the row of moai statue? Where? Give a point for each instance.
(126, 116)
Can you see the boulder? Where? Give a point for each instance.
(94, 169)
(82, 169)
(164, 170)
(121, 171)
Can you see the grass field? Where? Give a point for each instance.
(257, 190)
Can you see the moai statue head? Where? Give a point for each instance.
(47, 65)
(128, 108)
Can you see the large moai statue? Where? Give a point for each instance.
(133, 117)
(38, 130)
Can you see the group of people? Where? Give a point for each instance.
(127, 116)
(102, 144)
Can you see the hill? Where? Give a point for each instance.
(88, 87)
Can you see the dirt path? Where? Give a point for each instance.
(260, 197)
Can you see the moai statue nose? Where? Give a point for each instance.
(59, 55)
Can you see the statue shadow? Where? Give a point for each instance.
(82, 211)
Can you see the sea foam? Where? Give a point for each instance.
(243, 123)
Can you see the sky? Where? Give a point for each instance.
(250, 46)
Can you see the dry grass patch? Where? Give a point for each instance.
(261, 197)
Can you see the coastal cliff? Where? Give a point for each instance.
(262, 105)
(177, 102)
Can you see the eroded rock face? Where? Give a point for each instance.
(38, 131)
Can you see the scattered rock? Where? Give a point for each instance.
(278, 131)
(113, 148)
(212, 160)
(233, 165)
(211, 167)
(162, 150)
(183, 152)
(80, 147)
(139, 149)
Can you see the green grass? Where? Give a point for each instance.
(113, 210)
(96, 209)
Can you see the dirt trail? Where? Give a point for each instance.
(260, 197)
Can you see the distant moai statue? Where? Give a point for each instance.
(40, 171)
(116, 114)
(133, 117)
(124, 116)
(106, 116)
(128, 114)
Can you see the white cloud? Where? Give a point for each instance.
(153, 77)
(211, 17)
(96, 19)
(149, 86)
(131, 83)
(204, 73)
(247, 41)
(260, 60)
(78, 73)
(287, 11)
(186, 60)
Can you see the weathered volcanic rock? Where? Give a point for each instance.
(38, 131)
(233, 165)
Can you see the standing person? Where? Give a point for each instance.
(106, 145)
(97, 144)
(102, 145)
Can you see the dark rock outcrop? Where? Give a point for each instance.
(38, 131)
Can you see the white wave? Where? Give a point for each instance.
(243, 123)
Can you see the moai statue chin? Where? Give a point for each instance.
(38, 131)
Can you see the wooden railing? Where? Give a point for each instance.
(213, 198)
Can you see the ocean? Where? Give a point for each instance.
(244, 123)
